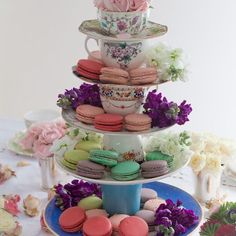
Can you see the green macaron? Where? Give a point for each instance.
(157, 155)
(68, 164)
(74, 156)
(88, 145)
(104, 157)
(124, 171)
(91, 202)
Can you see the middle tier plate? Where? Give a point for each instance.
(70, 117)
(178, 164)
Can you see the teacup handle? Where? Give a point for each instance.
(87, 49)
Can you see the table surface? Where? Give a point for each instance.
(28, 179)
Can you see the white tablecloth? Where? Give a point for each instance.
(28, 179)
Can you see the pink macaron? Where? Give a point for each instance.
(97, 225)
(133, 226)
(141, 76)
(116, 219)
(137, 122)
(86, 113)
(114, 76)
(89, 69)
(153, 204)
(109, 122)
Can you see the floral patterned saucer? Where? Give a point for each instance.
(93, 29)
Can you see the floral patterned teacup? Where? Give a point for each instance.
(120, 99)
(122, 54)
(123, 22)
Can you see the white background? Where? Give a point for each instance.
(39, 42)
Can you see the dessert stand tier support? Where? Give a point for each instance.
(121, 199)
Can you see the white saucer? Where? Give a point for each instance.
(93, 29)
(13, 145)
(70, 117)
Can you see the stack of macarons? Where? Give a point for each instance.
(110, 75)
(109, 122)
(86, 113)
(152, 169)
(137, 122)
(125, 171)
(71, 220)
(73, 157)
(141, 76)
(157, 155)
(104, 157)
(89, 69)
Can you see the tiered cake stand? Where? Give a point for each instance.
(122, 196)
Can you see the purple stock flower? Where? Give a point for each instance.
(174, 216)
(70, 194)
(85, 94)
(164, 113)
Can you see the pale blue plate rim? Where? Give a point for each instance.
(165, 191)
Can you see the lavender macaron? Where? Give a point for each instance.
(147, 194)
(149, 217)
(90, 169)
(151, 169)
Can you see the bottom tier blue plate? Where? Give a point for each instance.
(165, 191)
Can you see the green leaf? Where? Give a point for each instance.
(209, 229)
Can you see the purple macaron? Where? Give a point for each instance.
(151, 169)
(90, 169)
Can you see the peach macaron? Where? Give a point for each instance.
(137, 122)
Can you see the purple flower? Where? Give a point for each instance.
(122, 25)
(173, 216)
(85, 94)
(164, 113)
(70, 194)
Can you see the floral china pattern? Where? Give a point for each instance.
(123, 52)
(122, 94)
(132, 24)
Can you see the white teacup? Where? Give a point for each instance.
(121, 99)
(43, 115)
(122, 54)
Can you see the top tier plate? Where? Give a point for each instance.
(93, 29)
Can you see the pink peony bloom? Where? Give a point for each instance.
(41, 136)
(122, 5)
(138, 5)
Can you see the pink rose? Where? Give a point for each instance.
(138, 5)
(50, 134)
(117, 5)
